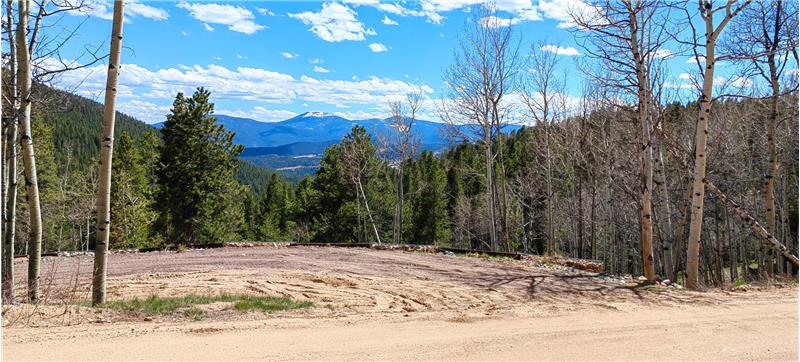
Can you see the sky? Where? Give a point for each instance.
(270, 61)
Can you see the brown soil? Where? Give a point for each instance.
(373, 304)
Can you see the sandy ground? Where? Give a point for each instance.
(392, 305)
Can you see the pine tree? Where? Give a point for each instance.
(132, 196)
(199, 198)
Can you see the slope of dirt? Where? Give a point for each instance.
(372, 304)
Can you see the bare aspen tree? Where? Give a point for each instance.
(479, 79)
(762, 35)
(10, 164)
(106, 153)
(26, 145)
(356, 156)
(403, 147)
(626, 38)
(712, 33)
(542, 89)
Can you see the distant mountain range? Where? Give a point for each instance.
(294, 146)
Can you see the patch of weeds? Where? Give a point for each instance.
(181, 248)
(268, 304)
(739, 282)
(168, 305)
(196, 314)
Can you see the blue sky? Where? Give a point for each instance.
(272, 60)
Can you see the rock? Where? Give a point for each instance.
(666, 282)
(677, 286)
(148, 319)
(641, 278)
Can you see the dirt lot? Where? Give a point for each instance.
(371, 304)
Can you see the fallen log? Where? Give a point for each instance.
(759, 230)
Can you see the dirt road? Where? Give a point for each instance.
(382, 305)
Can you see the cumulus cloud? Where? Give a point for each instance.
(288, 55)
(237, 18)
(334, 23)
(260, 113)
(208, 27)
(568, 51)
(241, 84)
(105, 10)
(387, 21)
(318, 69)
(378, 47)
(563, 10)
(315, 61)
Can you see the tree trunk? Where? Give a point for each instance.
(699, 175)
(757, 229)
(665, 219)
(772, 155)
(106, 153)
(490, 190)
(10, 168)
(645, 151)
(26, 145)
(369, 213)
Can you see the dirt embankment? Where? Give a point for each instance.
(372, 304)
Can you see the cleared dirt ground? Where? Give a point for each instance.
(372, 304)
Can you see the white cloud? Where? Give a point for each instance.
(237, 18)
(239, 56)
(208, 27)
(288, 55)
(693, 60)
(144, 111)
(563, 10)
(105, 10)
(498, 22)
(737, 82)
(264, 11)
(662, 53)
(184, 33)
(318, 69)
(334, 23)
(241, 84)
(568, 51)
(378, 47)
(685, 76)
(387, 21)
(315, 61)
(260, 113)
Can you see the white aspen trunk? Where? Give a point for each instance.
(106, 153)
(490, 190)
(645, 152)
(699, 175)
(26, 145)
(766, 237)
(369, 213)
(10, 170)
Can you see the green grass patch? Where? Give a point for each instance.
(168, 305)
(268, 304)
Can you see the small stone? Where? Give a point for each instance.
(148, 319)
(666, 282)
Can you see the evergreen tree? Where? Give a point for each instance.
(198, 198)
(132, 196)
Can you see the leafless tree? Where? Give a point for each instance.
(478, 81)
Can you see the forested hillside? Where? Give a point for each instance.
(66, 128)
